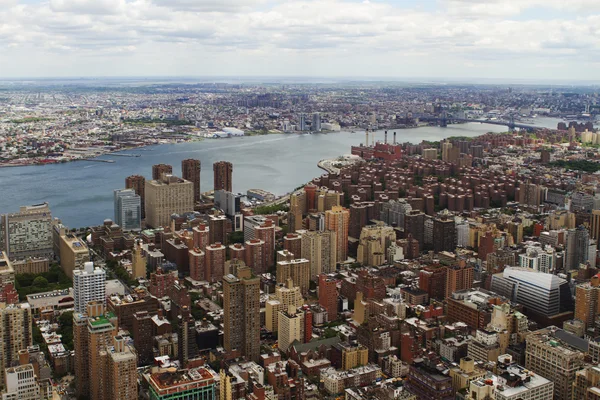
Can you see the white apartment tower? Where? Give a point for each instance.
(89, 284)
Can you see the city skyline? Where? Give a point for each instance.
(392, 39)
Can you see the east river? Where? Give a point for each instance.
(81, 193)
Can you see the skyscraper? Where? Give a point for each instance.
(316, 122)
(414, 224)
(328, 296)
(444, 235)
(295, 213)
(320, 249)
(186, 333)
(27, 233)
(241, 319)
(158, 170)
(92, 333)
(587, 302)
(167, 196)
(290, 327)
(190, 171)
(89, 285)
(214, 262)
(119, 373)
(128, 209)
(15, 333)
(302, 121)
(576, 248)
(138, 184)
(337, 220)
(223, 172)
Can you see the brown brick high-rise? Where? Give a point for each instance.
(328, 296)
(223, 172)
(241, 318)
(190, 171)
(158, 170)
(138, 184)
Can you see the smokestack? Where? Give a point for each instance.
(385, 141)
(367, 138)
(394, 137)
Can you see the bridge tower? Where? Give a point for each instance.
(444, 119)
(511, 124)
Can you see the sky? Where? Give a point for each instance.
(516, 40)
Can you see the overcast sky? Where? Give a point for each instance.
(501, 39)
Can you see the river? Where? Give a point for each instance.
(81, 193)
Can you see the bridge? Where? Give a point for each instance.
(444, 120)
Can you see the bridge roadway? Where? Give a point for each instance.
(510, 124)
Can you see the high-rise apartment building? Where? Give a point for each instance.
(298, 270)
(458, 277)
(142, 332)
(197, 263)
(158, 170)
(256, 255)
(190, 171)
(138, 184)
(444, 235)
(219, 228)
(7, 279)
(292, 242)
(89, 285)
(201, 236)
(27, 233)
(328, 296)
(320, 249)
(139, 261)
(374, 243)
(290, 328)
(241, 319)
(414, 224)
(73, 252)
(286, 295)
(258, 227)
(297, 205)
(338, 220)
(186, 338)
(167, 196)
(576, 248)
(550, 352)
(587, 302)
(223, 171)
(128, 209)
(15, 333)
(93, 331)
(214, 262)
(316, 122)
(119, 371)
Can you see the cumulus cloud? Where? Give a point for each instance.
(343, 37)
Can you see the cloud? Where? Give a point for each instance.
(208, 5)
(345, 37)
(87, 6)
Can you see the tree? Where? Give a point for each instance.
(40, 282)
(236, 237)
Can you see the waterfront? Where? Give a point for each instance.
(81, 193)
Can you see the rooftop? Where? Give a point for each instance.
(172, 378)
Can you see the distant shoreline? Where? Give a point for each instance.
(35, 162)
